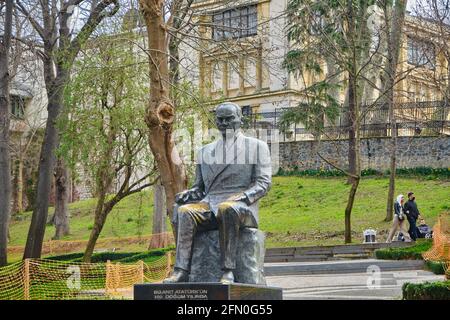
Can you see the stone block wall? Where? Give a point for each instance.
(412, 152)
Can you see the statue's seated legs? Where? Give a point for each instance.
(197, 217)
(231, 217)
(192, 217)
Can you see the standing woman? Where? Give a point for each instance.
(399, 221)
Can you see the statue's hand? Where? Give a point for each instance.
(179, 197)
(239, 197)
(189, 195)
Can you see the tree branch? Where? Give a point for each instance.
(96, 16)
(39, 29)
(337, 167)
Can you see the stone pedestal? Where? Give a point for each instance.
(205, 265)
(205, 291)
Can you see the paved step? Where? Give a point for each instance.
(336, 267)
(352, 286)
(323, 253)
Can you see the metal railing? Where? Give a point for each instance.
(427, 118)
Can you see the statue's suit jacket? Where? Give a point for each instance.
(240, 166)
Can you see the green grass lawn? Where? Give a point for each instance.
(130, 217)
(310, 211)
(298, 211)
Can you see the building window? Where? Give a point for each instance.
(317, 24)
(250, 72)
(246, 111)
(217, 77)
(421, 53)
(18, 106)
(233, 74)
(235, 23)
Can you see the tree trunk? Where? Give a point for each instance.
(159, 240)
(351, 144)
(18, 186)
(392, 168)
(349, 208)
(394, 44)
(61, 215)
(46, 166)
(102, 210)
(5, 158)
(353, 154)
(99, 222)
(160, 110)
(354, 137)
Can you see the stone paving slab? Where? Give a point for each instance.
(336, 267)
(354, 286)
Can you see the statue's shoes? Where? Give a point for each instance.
(227, 278)
(178, 275)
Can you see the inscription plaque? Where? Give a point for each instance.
(205, 291)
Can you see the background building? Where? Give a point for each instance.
(238, 52)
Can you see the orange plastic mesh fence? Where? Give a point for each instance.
(38, 279)
(440, 251)
(62, 246)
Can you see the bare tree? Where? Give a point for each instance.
(338, 33)
(393, 50)
(27, 80)
(5, 161)
(160, 112)
(52, 26)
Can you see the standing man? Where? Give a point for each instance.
(412, 213)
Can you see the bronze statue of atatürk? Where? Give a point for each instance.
(232, 174)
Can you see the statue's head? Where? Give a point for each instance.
(228, 117)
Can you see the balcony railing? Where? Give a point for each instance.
(429, 118)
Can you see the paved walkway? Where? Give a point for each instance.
(355, 286)
(340, 266)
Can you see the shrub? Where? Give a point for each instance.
(407, 253)
(426, 291)
(436, 267)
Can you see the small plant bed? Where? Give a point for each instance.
(408, 253)
(439, 290)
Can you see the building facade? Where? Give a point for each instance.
(240, 46)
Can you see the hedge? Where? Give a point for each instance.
(439, 290)
(436, 267)
(408, 253)
(126, 257)
(431, 173)
(96, 257)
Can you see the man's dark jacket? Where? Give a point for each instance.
(411, 209)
